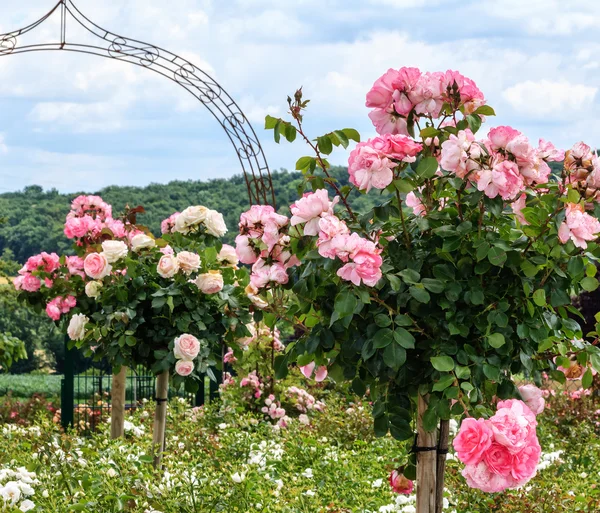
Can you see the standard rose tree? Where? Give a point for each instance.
(458, 281)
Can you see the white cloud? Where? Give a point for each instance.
(545, 98)
(3, 146)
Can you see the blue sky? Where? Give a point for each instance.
(83, 123)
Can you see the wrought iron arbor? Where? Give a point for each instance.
(204, 88)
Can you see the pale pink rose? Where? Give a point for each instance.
(519, 408)
(474, 437)
(548, 152)
(498, 459)
(18, 282)
(578, 226)
(188, 261)
(96, 266)
(186, 347)
(310, 208)
(245, 250)
(252, 294)
(53, 310)
(533, 397)
(400, 484)
(518, 205)
(210, 282)
(366, 263)
(227, 257)
(75, 266)
(481, 477)
(525, 462)
(168, 225)
(117, 227)
(369, 168)
(579, 156)
(503, 179)
(215, 223)
(308, 369)
(184, 367)
(456, 152)
(387, 121)
(48, 283)
(31, 283)
(381, 94)
(428, 94)
(414, 202)
(263, 274)
(398, 147)
(282, 254)
(513, 425)
(501, 136)
(168, 265)
(330, 226)
(68, 303)
(190, 218)
(321, 373)
(261, 221)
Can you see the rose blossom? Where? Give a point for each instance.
(75, 266)
(184, 367)
(31, 283)
(310, 208)
(168, 225)
(76, 329)
(498, 459)
(474, 437)
(330, 227)
(215, 224)
(517, 206)
(263, 274)
(397, 147)
(400, 484)
(244, 250)
(525, 462)
(114, 250)
(210, 282)
(53, 309)
(189, 218)
(167, 267)
(533, 398)
(513, 425)
(92, 288)
(227, 257)
(578, 226)
(186, 347)
(188, 261)
(481, 477)
(414, 202)
(369, 168)
(252, 294)
(503, 179)
(459, 153)
(142, 241)
(96, 266)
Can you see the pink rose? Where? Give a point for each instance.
(459, 153)
(186, 347)
(398, 147)
(188, 261)
(370, 168)
(503, 179)
(96, 266)
(261, 221)
(227, 257)
(307, 371)
(184, 367)
(519, 204)
(525, 462)
(387, 121)
(513, 425)
(414, 202)
(329, 227)
(210, 282)
(116, 227)
(263, 274)
(310, 208)
(167, 267)
(500, 136)
(578, 226)
(481, 477)
(75, 266)
(400, 484)
(53, 310)
(579, 156)
(168, 225)
(498, 459)
(533, 397)
(30, 283)
(244, 250)
(547, 151)
(473, 440)
(381, 94)
(427, 95)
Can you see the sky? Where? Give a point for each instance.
(80, 123)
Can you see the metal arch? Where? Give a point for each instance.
(175, 68)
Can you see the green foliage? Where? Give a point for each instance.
(11, 350)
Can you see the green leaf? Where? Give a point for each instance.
(589, 284)
(410, 276)
(442, 363)
(403, 186)
(474, 122)
(485, 110)
(427, 167)
(529, 269)
(345, 303)
(404, 338)
(573, 196)
(341, 137)
(351, 134)
(443, 383)
(435, 286)
(304, 162)
(270, 122)
(496, 340)
(491, 372)
(394, 356)
(421, 295)
(497, 256)
(383, 338)
(380, 425)
(539, 297)
(325, 145)
(430, 131)
(383, 320)
(587, 379)
(559, 298)
(359, 387)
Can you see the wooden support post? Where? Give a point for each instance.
(160, 417)
(441, 464)
(426, 462)
(117, 396)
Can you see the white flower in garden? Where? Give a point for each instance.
(237, 477)
(210, 282)
(190, 217)
(303, 419)
(76, 329)
(92, 288)
(310, 493)
(377, 483)
(228, 256)
(308, 473)
(215, 224)
(142, 241)
(27, 505)
(184, 367)
(11, 492)
(186, 347)
(168, 265)
(114, 250)
(188, 261)
(111, 472)
(45, 494)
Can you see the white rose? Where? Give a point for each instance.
(141, 241)
(27, 505)
(92, 288)
(190, 217)
(168, 265)
(188, 261)
(210, 282)
(114, 250)
(76, 329)
(228, 256)
(215, 224)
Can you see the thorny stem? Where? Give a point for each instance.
(404, 230)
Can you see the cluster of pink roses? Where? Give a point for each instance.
(254, 383)
(303, 401)
(273, 408)
(186, 348)
(60, 305)
(401, 94)
(362, 257)
(578, 226)
(503, 451)
(263, 242)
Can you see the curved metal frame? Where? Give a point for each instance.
(175, 68)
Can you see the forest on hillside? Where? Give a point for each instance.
(34, 218)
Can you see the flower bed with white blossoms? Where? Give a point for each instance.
(217, 461)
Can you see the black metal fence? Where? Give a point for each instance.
(86, 397)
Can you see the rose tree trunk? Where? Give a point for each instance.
(426, 462)
(117, 411)
(160, 417)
